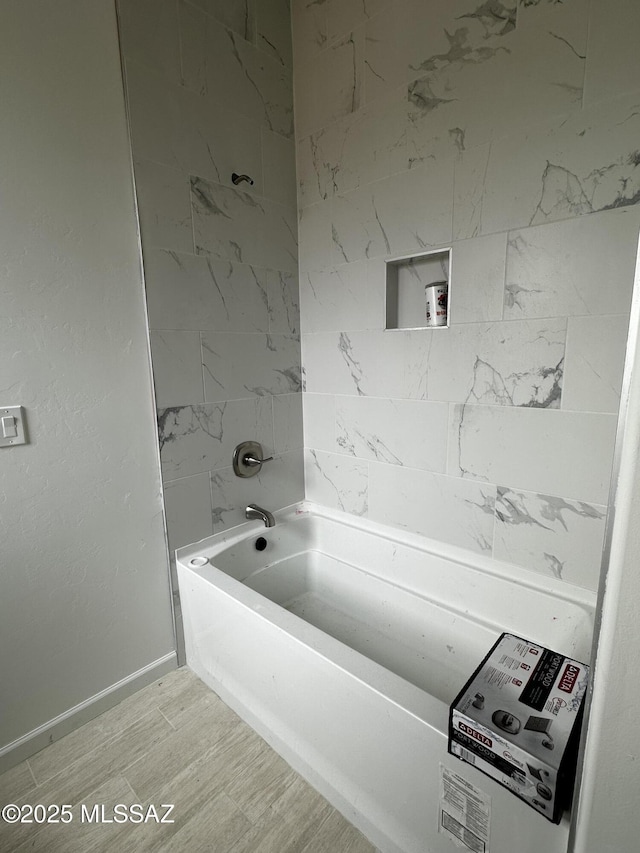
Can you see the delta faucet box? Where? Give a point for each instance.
(518, 720)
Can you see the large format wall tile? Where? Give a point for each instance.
(149, 34)
(287, 423)
(479, 269)
(448, 41)
(198, 292)
(569, 21)
(506, 364)
(158, 112)
(319, 421)
(550, 535)
(309, 25)
(337, 481)
(237, 15)
(177, 368)
(344, 15)
(614, 62)
(386, 66)
(594, 363)
(478, 72)
(361, 147)
(188, 506)
(347, 296)
(193, 43)
(233, 225)
(579, 266)
(510, 364)
(242, 365)
(279, 164)
(328, 84)
(357, 363)
(273, 30)
(163, 207)
(209, 90)
(472, 73)
(303, 96)
(219, 59)
(445, 508)
(400, 432)
(554, 453)
(195, 439)
(554, 170)
(314, 236)
(283, 302)
(389, 217)
(279, 484)
(181, 128)
(244, 78)
(507, 131)
(548, 59)
(351, 296)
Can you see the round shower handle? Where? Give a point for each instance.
(248, 459)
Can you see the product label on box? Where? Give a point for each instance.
(515, 716)
(541, 681)
(464, 812)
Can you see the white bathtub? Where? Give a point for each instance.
(343, 642)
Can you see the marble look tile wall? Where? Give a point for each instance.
(509, 131)
(209, 87)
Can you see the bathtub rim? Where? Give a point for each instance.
(501, 569)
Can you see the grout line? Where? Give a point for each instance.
(448, 442)
(202, 366)
(252, 823)
(133, 790)
(166, 718)
(130, 787)
(192, 218)
(494, 524)
(33, 776)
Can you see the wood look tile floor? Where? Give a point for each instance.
(174, 742)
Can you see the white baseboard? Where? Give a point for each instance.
(35, 740)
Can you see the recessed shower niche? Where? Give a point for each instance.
(412, 282)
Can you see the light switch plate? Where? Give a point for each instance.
(12, 426)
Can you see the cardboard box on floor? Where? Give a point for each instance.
(518, 720)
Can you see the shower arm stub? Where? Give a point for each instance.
(248, 459)
(238, 179)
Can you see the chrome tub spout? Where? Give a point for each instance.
(255, 511)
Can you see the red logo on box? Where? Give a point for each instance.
(569, 677)
(474, 734)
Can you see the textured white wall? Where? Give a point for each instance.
(84, 595)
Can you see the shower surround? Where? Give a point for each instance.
(209, 87)
(508, 131)
(504, 130)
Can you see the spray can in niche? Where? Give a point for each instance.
(436, 297)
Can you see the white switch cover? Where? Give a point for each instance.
(12, 429)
